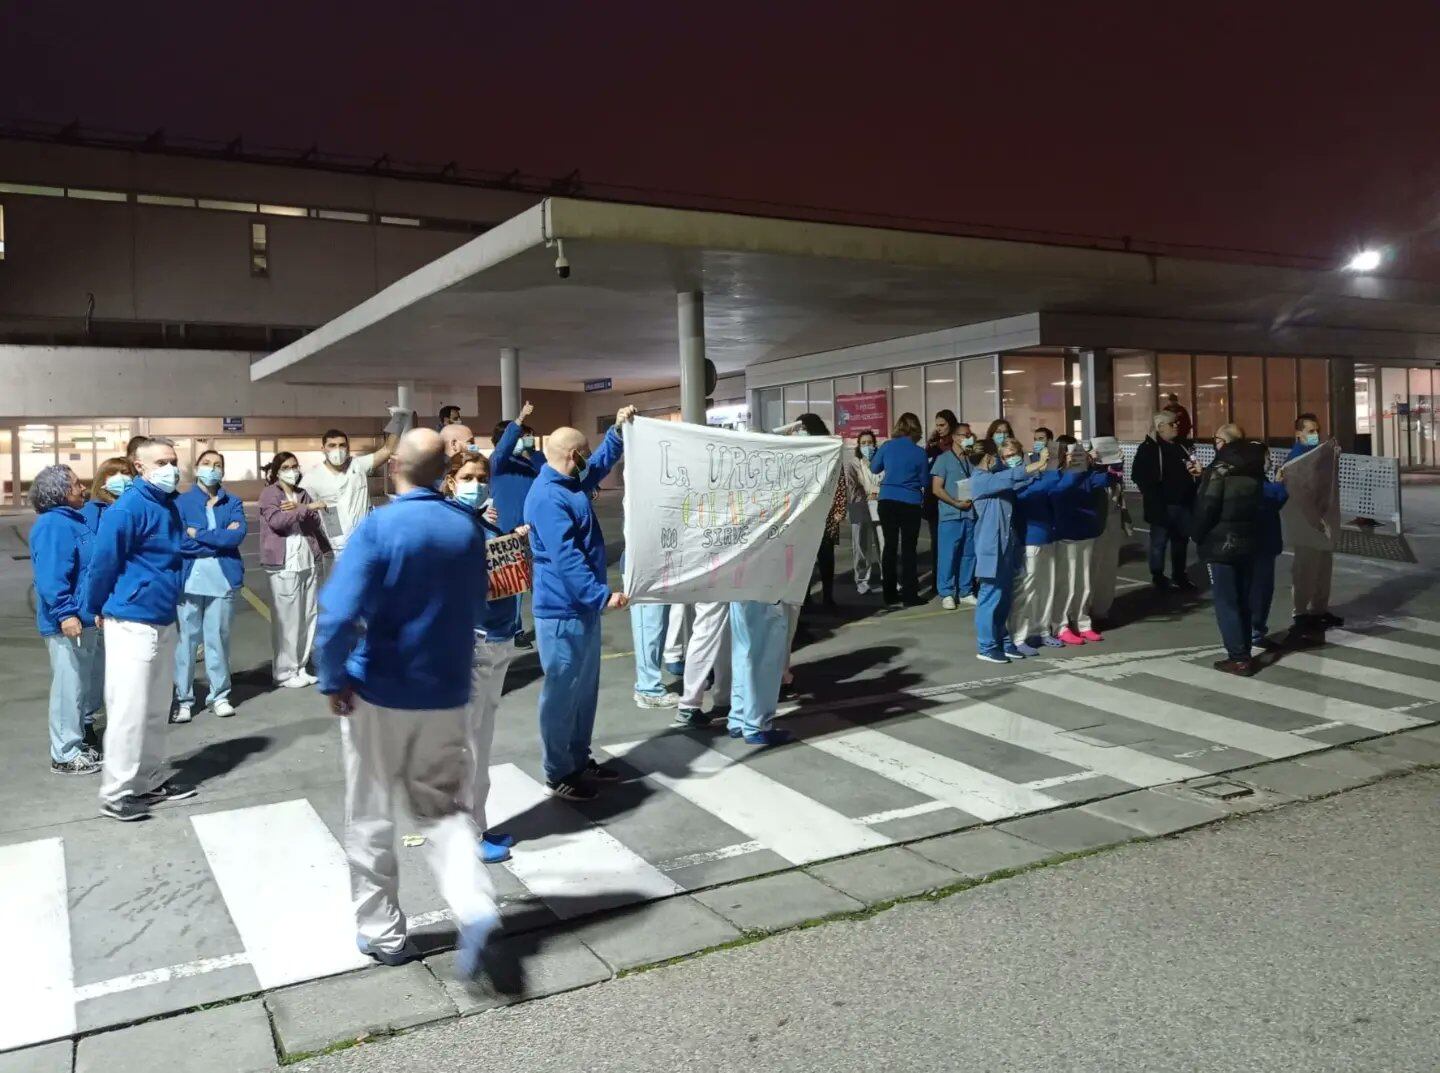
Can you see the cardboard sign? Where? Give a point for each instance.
(862, 412)
(511, 571)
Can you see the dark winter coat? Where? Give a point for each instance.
(1160, 474)
(1228, 505)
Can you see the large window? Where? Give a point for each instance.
(1315, 389)
(942, 392)
(1134, 386)
(772, 409)
(1212, 395)
(1282, 402)
(822, 402)
(795, 403)
(1173, 371)
(907, 395)
(977, 392)
(1247, 395)
(1033, 390)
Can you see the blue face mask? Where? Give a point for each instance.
(867, 451)
(968, 441)
(527, 443)
(1000, 438)
(582, 467)
(209, 476)
(472, 493)
(1014, 460)
(1312, 439)
(116, 483)
(166, 478)
(1040, 445)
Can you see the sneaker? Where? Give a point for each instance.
(125, 810)
(649, 701)
(769, 737)
(169, 790)
(491, 852)
(720, 712)
(1184, 584)
(79, 764)
(987, 657)
(480, 955)
(181, 714)
(596, 773)
(223, 708)
(677, 669)
(968, 601)
(691, 717)
(1024, 649)
(1067, 636)
(524, 640)
(1243, 667)
(1092, 635)
(948, 603)
(862, 588)
(570, 788)
(1013, 651)
(1049, 640)
(500, 838)
(297, 681)
(92, 753)
(407, 952)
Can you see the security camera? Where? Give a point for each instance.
(562, 263)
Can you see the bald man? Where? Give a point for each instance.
(414, 575)
(570, 594)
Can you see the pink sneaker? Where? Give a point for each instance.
(1070, 637)
(1092, 635)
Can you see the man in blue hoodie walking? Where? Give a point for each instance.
(132, 589)
(570, 594)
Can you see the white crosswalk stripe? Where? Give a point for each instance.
(37, 999)
(1359, 674)
(1384, 646)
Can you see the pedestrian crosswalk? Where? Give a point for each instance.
(701, 808)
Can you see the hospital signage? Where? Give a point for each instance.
(862, 412)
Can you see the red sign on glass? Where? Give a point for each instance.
(866, 411)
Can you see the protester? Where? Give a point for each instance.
(293, 549)
(940, 441)
(999, 473)
(212, 573)
(1078, 524)
(112, 477)
(1184, 427)
(570, 593)
(340, 485)
(863, 489)
(759, 650)
(999, 433)
(132, 448)
(456, 434)
(1035, 604)
(1312, 568)
(60, 548)
(496, 624)
(133, 581)
(1114, 528)
(1227, 512)
(1041, 441)
(906, 472)
(1269, 543)
(1166, 475)
(707, 667)
(514, 465)
(955, 557)
(395, 647)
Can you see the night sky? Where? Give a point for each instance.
(1305, 129)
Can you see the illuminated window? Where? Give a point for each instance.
(2, 232)
(228, 206)
(282, 210)
(37, 191)
(400, 221)
(259, 250)
(96, 195)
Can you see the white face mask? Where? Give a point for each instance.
(337, 456)
(290, 477)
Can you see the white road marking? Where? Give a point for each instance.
(1072, 689)
(1383, 646)
(149, 977)
(579, 871)
(37, 987)
(1411, 623)
(723, 853)
(781, 819)
(922, 809)
(1361, 675)
(1334, 712)
(284, 879)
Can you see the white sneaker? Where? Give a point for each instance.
(223, 708)
(664, 700)
(968, 601)
(298, 681)
(948, 603)
(182, 714)
(310, 679)
(862, 588)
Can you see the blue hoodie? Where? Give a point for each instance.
(134, 570)
(1269, 535)
(566, 540)
(221, 543)
(511, 476)
(996, 535)
(414, 576)
(1035, 509)
(60, 547)
(1076, 516)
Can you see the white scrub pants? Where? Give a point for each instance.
(864, 552)
(709, 650)
(677, 633)
(416, 759)
(1077, 557)
(1033, 605)
(293, 608)
(1105, 565)
(487, 685)
(139, 675)
(1310, 578)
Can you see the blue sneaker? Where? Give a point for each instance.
(1013, 651)
(492, 852)
(1024, 648)
(479, 954)
(677, 669)
(407, 953)
(1049, 640)
(735, 732)
(500, 838)
(769, 737)
(991, 657)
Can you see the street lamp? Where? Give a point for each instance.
(1365, 261)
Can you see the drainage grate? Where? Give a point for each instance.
(1374, 546)
(1224, 790)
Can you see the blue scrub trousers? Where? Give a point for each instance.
(759, 650)
(1262, 593)
(648, 623)
(72, 669)
(204, 618)
(1230, 589)
(992, 611)
(956, 557)
(570, 658)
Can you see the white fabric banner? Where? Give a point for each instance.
(1311, 516)
(712, 514)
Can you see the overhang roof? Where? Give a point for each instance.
(780, 288)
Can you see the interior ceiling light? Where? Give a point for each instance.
(1365, 261)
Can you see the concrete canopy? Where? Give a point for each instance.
(780, 288)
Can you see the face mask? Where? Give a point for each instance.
(582, 466)
(209, 476)
(802, 432)
(472, 448)
(336, 456)
(1000, 438)
(116, 483)
(1312, 439)
(968, 441)
(164, 477)
(527, 443)
(867, 451)
(1014, 460)
(472, 493)
(1040, 445)
(290, 477)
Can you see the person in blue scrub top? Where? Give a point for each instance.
(955, 540)
(112, 477)
(902, 462)
(1002, 471)
(514, 464)
(213, 573)
(570, 593)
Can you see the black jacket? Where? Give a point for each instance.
(1160, 474)
(1227, 508)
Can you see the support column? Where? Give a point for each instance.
(690, 308)
(1097, 394)
(509, 383)
(1342, 403)
(405, 395)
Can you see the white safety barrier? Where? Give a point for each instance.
(1369, 485)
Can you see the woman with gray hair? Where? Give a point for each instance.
(60, 543)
